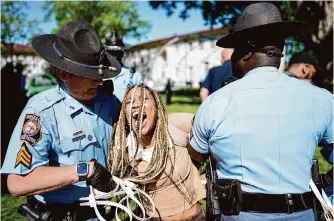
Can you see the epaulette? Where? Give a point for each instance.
(45, 99)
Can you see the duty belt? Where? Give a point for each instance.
(276, 203)
(67, 211)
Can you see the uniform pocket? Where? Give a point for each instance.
(77, 143)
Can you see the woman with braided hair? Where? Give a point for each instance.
(148, 150)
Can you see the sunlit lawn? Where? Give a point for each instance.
(182, 101)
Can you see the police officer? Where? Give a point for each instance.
(218, 76)
(302, 65)
(263, 129)
(128, 76)
(62, 129)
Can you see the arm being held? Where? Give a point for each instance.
(183, 121)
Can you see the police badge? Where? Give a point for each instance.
(31, 130)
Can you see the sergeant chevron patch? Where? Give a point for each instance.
(23, 157)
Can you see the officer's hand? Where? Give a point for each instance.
(100, 178)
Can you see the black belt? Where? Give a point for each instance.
(276, 203)
(62, 209)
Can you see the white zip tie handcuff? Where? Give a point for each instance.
(324, 201)
(122, 187)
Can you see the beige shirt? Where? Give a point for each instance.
(171, 199)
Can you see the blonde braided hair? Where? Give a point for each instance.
(118, 153)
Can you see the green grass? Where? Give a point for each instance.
(182, 101)
(9, 205)
(324, 166)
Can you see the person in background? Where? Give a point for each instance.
(60, 130)
(128, 76)
(263, 129)
(218, 75)
(168, 91)
(303, 65)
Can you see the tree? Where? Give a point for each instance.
(15, 26)
(318, 14)
(103, 15)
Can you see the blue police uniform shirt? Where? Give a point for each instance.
(264, 129)
(70, 132)
(125, 80)
(216, 77)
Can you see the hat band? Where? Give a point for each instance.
(270, 53)
(113, 48)
(100, 67)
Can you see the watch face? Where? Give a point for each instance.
(82, 168)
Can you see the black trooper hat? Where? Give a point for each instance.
(259, 20)
(114, 42)
(77, 49)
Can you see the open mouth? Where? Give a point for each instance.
(135, 118)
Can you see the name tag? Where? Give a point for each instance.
(79, 138)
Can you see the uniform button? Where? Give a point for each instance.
(71, 107)
(90, 137)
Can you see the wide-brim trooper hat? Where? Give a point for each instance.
(259, 20)
(77, 49)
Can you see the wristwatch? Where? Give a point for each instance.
(81, 170)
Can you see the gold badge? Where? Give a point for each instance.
(31, 130)
(23, 157)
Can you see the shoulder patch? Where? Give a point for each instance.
(23, 157)
(31, 129)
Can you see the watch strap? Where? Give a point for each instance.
(82, 178)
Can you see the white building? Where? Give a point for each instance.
(183, 58)
(25, 55)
